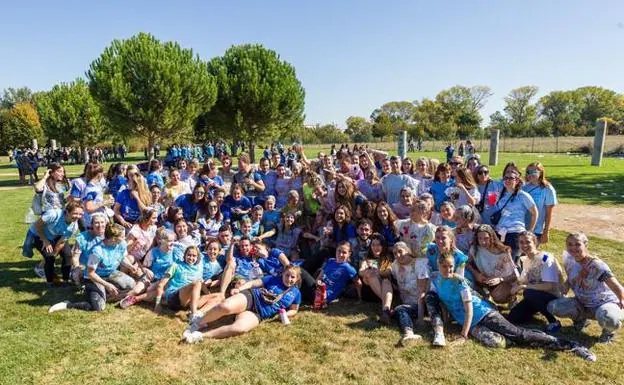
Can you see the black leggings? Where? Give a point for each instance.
(50, 258)
(534, 301)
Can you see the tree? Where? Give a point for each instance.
(521, 112)
(399, 115)
(461, 106)
(597, 103)
(19, 126)
(69, 114)
(329, 133)
(151, 89)
(359, 128)
(562, 109)
(259, 95)
(12, 96)
(430, 119)
(382, 126)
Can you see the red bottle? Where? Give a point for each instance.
(320, 297)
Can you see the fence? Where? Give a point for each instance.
(562, 144)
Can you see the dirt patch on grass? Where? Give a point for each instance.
(603, 222)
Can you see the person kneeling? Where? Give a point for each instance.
(252, 302)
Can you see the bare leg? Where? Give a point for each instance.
(226, 278)
(386, 289)
(235, 304)
(372, 279)
(244, 322)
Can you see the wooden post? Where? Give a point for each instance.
(599, 142)
(494, 147)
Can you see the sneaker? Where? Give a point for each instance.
(128, 301)
(581, 324)
(194, 321)
(58, 307)
(39, 271)
(385, 318)
(193, 337)
(584, 353)
(410, 339)
(606, 337)
(553, 328)
(439, 340)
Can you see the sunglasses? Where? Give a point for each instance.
(483, 172)
(510, 178)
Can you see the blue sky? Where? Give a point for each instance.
(351, 56)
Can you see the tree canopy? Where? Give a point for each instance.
(259, 95)
(151, 89)
(19, 125)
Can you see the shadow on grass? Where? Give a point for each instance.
(592, 189)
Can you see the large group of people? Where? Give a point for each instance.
(423, 239)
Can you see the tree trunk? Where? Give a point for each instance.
(150, 147)
(252, 151)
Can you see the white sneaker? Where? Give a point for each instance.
(439, 340)
(193, 337)
(58, 307)
(410, 339)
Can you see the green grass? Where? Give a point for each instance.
(343, 345)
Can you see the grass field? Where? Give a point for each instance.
(340, 346)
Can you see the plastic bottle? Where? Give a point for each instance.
(30, 216)
(320, 297)
(256, 271)
(284, 317)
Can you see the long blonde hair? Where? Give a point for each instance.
(141, 187)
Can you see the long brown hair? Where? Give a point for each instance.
(51, 182)
(465, 177)
(542, 177)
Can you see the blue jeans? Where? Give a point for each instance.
(404, 314)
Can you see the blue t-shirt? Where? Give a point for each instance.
(269, 183)
(182, 274)
(542, 196)
(229, 204)
(433, 253)
(154, 178)
(77, 187)
(345, 233)
(55, 225)
(246, 266)
(271, 264)
(336, 276)
(211, 268)
(270, 219)
(389, 232)
(116, 184)
(392, 184)
(106, 259)
(513, 213)
(189, 209)
(128, 206)
(291, 296)
(93, 192)
(438, 190)
(453, 292)
(161, 262)
(86, 242)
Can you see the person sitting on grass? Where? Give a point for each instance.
(181, 287)
(597, 292)
(85, 242)
(102, 277)
(479, 318)
(336, 273)
(251, 303)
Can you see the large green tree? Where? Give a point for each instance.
(359, 128)
(521, 111)
(259, 96)
(461, 106)
(19, 125)
(69, 113)
(151, 89)
(562, 109)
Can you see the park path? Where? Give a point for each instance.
(603, 222)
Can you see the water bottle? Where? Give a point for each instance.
(30, 216)
(284, 317)
(256, 271)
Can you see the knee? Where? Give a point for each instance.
(610, 320)
(98, 304)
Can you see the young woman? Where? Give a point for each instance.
(416, 231)
(492, 267)
(251, 303)
(190, 176)
(336, 273)
(52, 188)
(141, 235)
(102, 276)
(131, 201)
(468, 191)
(514, 205)
(489, 189)
(383, 223)
(49, 235)
(371, 267)
(403, 207)
(210, 222)
(191, 204)
(479, 318)
(441, 181)
(85, 242)
(465, 221)
(154, 174)
(444, 243)
(209, 177)
(597, 292)
(116, 179)
(540, 282)
(93, 199)
(236, 204)
(248, 179)
(369, 186)
(174, 188)
(545, 197)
